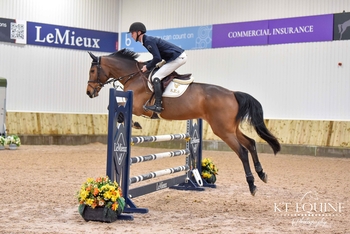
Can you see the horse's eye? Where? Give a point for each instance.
(92, 71)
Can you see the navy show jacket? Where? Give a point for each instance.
(160, 49)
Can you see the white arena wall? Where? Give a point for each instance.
(294, 82)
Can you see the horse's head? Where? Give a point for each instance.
(97, 76)
(120, 66)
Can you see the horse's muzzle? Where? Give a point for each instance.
(91, 95)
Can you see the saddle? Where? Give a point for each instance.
(182, 79)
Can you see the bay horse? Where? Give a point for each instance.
(223, 109)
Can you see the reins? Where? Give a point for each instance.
(130, 76)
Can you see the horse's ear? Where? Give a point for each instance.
(94, 58)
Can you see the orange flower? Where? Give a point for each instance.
(120, 191)
(115, 206)
(96, 191)
(99, 179)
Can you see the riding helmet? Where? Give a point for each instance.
(137, 26)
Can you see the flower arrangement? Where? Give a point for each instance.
(13, 139)
(9, 140)
(101, 193)
(2, 140)
(209, 171)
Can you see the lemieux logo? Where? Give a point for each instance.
(68, 37)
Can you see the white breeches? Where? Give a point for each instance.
(168, 68)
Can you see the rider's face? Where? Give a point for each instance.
(134, 35)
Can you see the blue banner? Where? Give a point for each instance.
(189, 38)
(71, 38)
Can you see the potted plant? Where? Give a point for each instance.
(209, 171)
(13, 141)
(2, 142)
(101, 200)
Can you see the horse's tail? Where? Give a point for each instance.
(251, 110)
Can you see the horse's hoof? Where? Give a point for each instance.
(137, 125)
(263, 176)
(253, 190)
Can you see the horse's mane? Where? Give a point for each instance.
(125, 53)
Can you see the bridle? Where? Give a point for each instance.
(97, 62)
(98, 80)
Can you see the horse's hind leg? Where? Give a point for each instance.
(242, 153)
(249, 144)
(228, 135)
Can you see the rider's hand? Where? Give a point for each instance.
(144, 68)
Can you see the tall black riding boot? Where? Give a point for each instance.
(157, 107)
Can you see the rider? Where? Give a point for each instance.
(173, 55)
